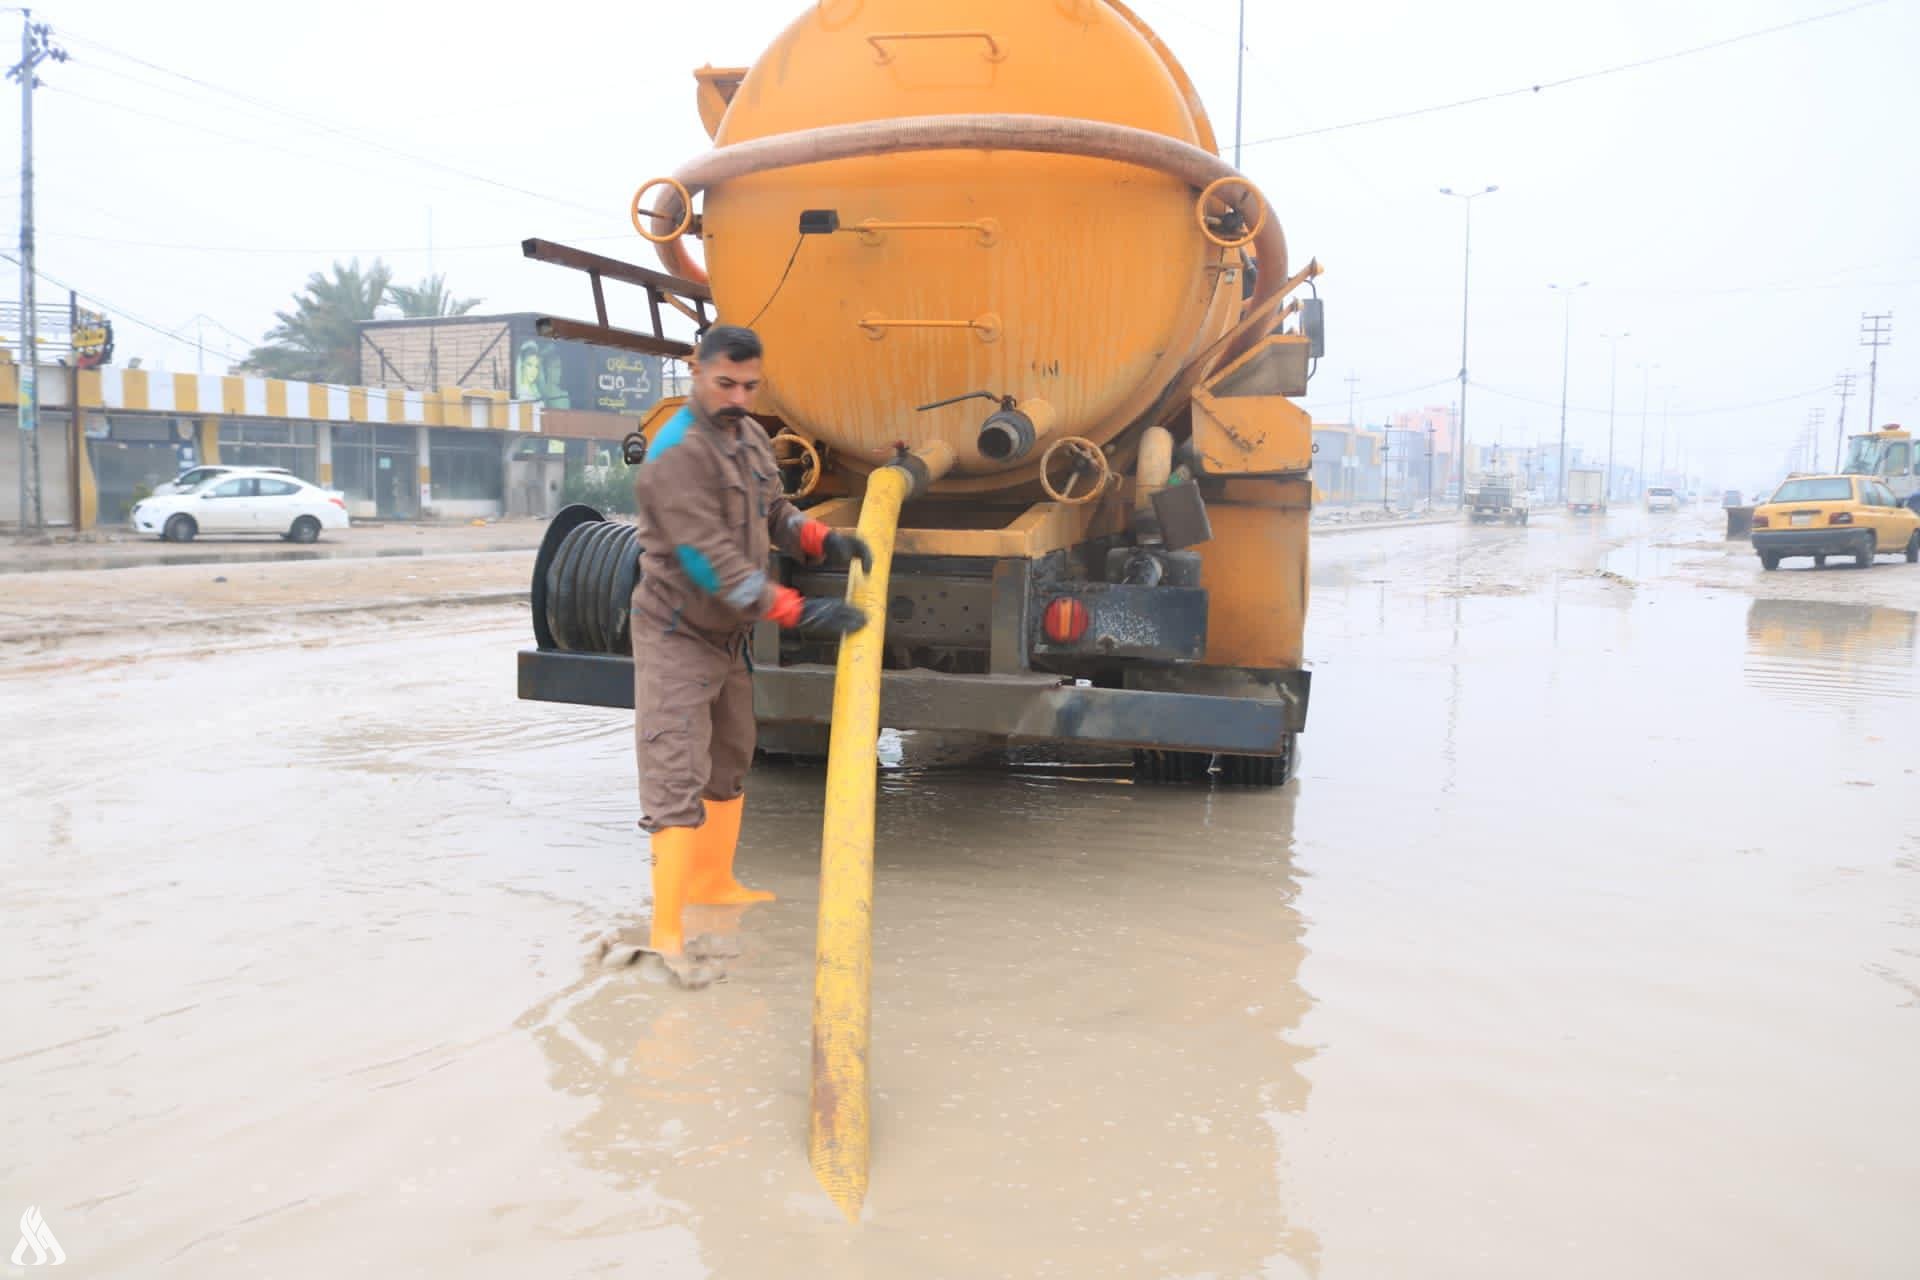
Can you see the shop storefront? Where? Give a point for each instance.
(270, 444)
(376, 468)
(468, 470)
(132, 455)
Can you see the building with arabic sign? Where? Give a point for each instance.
(505, 353)
(452, 418)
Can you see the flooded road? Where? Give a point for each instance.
(1586, 944)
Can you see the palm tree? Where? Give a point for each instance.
(429, 299)
(319, 340)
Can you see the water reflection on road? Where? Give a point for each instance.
(1585, 945)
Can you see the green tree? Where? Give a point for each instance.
(428, 299)
(319, 340)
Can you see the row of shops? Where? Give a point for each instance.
(394, 454)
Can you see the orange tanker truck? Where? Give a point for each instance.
(990, 244)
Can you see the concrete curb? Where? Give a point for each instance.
(1320, 531)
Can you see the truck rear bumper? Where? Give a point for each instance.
(1018, 708)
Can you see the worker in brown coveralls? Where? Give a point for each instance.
(711, 510)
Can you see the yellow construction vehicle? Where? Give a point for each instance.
(1888, 455)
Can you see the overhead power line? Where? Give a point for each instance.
(121, 312)
(1822, 389)
(1599, 72)
(489, 246)
(322, 126)
(1384, 395)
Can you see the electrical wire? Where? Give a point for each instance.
(324, 127)
(800, 240)
(1384, 395)
(1576, 78)
(121, 312)
(1821, 390)
(291, 251)
(277, 145)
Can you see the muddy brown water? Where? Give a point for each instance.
(1587, 944)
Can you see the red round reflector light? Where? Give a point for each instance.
(1065, 620)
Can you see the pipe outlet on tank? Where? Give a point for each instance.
(1010, 434)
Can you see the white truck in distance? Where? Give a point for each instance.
(1586, 490)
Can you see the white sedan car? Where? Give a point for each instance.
(244, 502)
(192, 478)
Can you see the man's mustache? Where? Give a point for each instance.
(730, 413)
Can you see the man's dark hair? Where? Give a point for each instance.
(730, 342)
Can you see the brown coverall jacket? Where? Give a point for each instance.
(711, 512)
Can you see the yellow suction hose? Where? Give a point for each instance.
(838, 1133)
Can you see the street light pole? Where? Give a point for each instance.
(1613, 380)
(1666, 411)
(1466, 281)
(1239, 80)
(1640, 471)
(1566, 348)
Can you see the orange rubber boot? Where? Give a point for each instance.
(674, 853)
(713, 882)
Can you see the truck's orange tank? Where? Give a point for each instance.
(1084, 283)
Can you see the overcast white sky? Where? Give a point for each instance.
(1735, 211)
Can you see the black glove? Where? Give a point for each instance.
(841, 549)
(823, 615)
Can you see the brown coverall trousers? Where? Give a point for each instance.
(711, 512)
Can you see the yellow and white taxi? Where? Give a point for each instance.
(1837, 515)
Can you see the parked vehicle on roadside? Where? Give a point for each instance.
(1838, 515)
(244, 500)
(193, 477)
(1660, 498)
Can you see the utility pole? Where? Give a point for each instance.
(1613, 381)
(1353, 389)
(1844, 385)
(1640, 469)
(35, 48)
(1566, 349)
(1666, 415)
(1466, 282)
(1239, 80)
(1429, 464)
(1876, 331)
(1386, 468)
(1815, 417)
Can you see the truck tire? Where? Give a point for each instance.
(1260, 771)
(1172, 766)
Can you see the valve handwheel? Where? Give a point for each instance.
(801, 453)
(1229, 199)
(642, 216)
(1083, 457)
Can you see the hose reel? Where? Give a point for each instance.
(583, 581)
